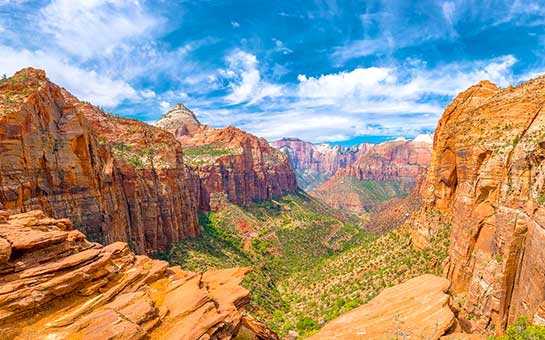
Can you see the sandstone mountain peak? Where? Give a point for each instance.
(180, 120)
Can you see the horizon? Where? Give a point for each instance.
(318, 70)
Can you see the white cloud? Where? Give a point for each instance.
(396, 100)
(449, 9)
(88, 27)
(85, 84)
(245, 80)
(164, 105)
(235, 24)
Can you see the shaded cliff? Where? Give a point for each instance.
(116, 179)
(313, 163)
(56, 284)
(228, 164)
(487, 176)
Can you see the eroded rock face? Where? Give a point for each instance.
(116, 179)
(229, 164)
(416, 309)
(54, 284)
(390, 168)
(316, 163)
(487, 175)
(397, 161)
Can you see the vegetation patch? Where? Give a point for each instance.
(310, 262)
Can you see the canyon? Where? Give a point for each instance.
(228, 164)
(120, 179)
(359, 178)
(86, 197)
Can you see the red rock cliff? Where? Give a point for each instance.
(229, 163)
(69, 159)
(396, 161)
(487, 175)
(57, 285)
(314, 164)
(381, 172)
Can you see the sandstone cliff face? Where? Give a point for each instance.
(54, 284)
(384, 171)
(396, 161)
(487, 176)
(117, 179)
(316, 163)
(229, 164)
(416, 309)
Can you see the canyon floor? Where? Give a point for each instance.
(311, 262)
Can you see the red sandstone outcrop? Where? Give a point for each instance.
(229, 163)
(390, 170)
(54, 284)
(487, 177)
(116, 179)
(416, 309)
(399, 161)
(316, 163)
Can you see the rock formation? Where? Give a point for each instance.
(314, 164)
(416, 309)
(386, 170)
(487, 178)
(115, 178)
(229, 164)
(54, 284)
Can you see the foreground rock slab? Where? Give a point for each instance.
(54, 284)
(416, 309)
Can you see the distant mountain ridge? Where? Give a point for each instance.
(361, 177)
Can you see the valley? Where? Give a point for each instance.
(112, 219)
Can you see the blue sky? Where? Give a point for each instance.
(321, 70)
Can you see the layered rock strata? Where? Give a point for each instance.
(387, 170)
(116, 179)
(487, 178)
(228, 164)
(54, 284)
(314, 164)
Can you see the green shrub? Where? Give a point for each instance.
(521, 329)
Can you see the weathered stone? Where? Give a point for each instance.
(95, 292)
(70, 159)
(416, 309)
(487, 178)
(242, 167)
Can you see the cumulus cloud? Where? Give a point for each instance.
(395, 100)
(245, 80)
(86, 84)
(89, 27)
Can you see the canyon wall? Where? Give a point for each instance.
(487, 178)
(381, 172)
(228, 164)
(116, 179)
(313, 163)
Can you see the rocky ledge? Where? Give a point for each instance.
(56, 284)
(416, 309)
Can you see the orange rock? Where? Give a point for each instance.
(56, 284)
(415, 309)
(228, 163)
(396, 163)
(69, 158)
(487, 176)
